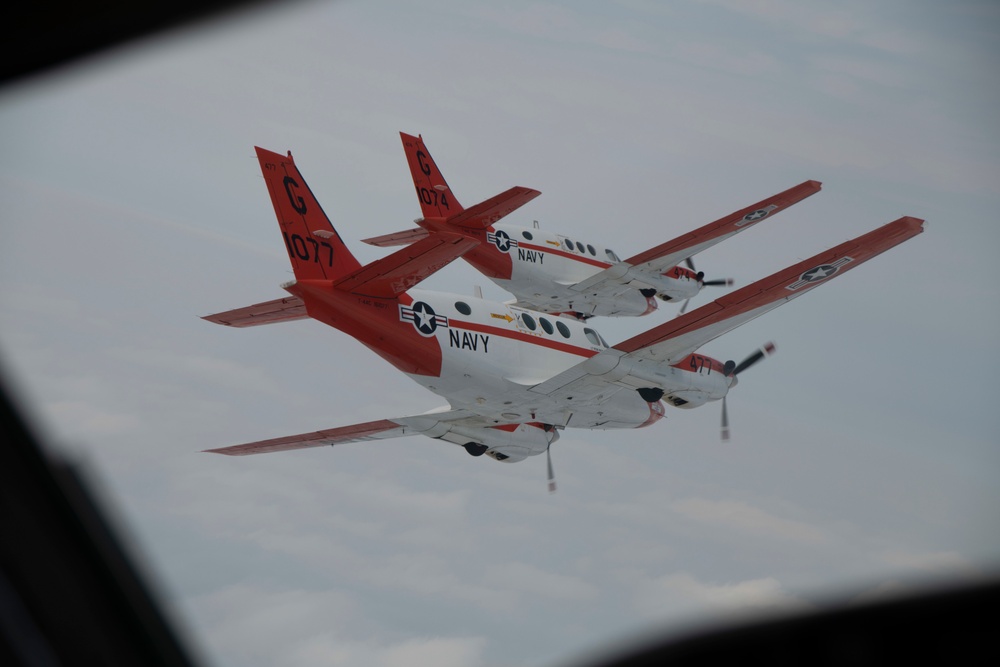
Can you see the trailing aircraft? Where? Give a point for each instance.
(555, 273)
(514, 378)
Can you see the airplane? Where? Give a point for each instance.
(513, 377)
(554, 273)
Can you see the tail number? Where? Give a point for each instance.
(432, 198)
(299, 248)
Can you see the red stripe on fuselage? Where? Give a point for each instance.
(563, 253)
(534, 339)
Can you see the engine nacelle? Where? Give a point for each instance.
(687, 399)
(508, 442)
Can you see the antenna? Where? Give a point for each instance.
(479, 291)
(536, 223)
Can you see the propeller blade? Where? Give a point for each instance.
(684, 306)
(725, 421)
(690, 263)
(765, 351)
(719, 282)
(552, 476)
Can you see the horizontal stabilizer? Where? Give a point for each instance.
(405, 237)
(279, 310)
(392, 275)
(485, 213)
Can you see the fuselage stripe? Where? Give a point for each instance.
(563, 253)
(541, 340)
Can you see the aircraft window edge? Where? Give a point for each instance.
(546, 325)
(563, 329)
(463, 307)
(527, 235)
(529, 321)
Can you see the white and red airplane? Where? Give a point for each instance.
(554, 273)
(513, 377)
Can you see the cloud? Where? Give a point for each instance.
(682, 595)
(746, 518)
(251, 625)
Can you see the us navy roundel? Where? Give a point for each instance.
(502, 240)
(817, 273)
(423, 317)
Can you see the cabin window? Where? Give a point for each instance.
(463, 308)
(612, 256)
(563, 329)
(579, 246)
(593, 337)
(569, 244)
(591, 250)
(527, 235)
(545, 325)
(528, 320)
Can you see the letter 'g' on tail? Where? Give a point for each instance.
(314, 247)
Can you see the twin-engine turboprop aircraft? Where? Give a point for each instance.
(513, 377)
(554, 273)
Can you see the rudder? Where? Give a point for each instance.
(315, 249)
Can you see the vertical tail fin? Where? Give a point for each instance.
(314, 247)
(436, 199)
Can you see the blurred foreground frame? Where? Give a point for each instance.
(70, 595)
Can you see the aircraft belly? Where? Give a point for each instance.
(551, 297)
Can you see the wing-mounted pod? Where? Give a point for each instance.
(508, 442)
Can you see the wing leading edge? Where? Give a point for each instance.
(672, 341)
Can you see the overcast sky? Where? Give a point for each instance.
(864, 454)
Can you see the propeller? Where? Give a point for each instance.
(552, 476)
(700, 275)
(732, 369)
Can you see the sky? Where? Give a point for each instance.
(864, 455)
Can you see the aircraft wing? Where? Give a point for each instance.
(376, 430)
(665, 256)
(269, 312)
(431, 424)
(672, 341)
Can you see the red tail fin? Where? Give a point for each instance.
(314, 247)
(436, 199)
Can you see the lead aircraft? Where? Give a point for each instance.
(557, 274)
(513, 377)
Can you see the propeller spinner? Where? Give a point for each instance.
(718, 282)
